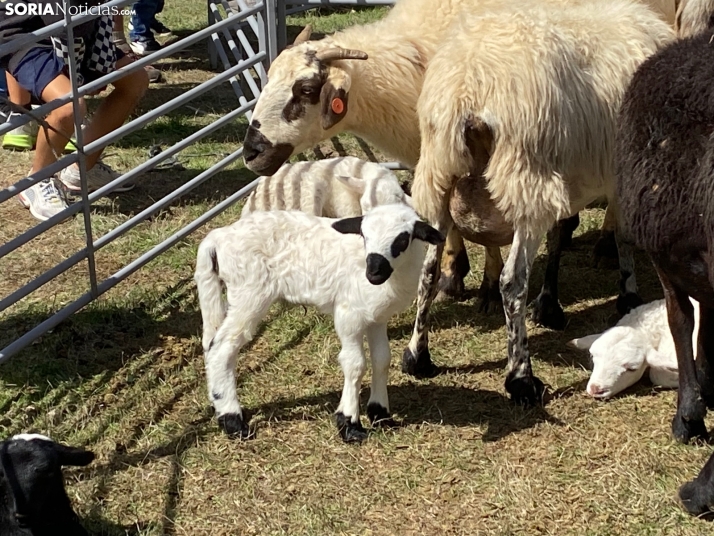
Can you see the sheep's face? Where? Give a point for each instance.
(305, 97)
(388, 231)
(619, 360)
(31, 466)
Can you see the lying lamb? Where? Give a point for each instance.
(362, 270)
(622, 354)
(335, 188)
(33, 501)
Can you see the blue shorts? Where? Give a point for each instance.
(41, 65)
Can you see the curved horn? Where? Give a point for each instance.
(336, 53)
(304, 35)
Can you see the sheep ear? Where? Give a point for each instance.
(334, 98)
(426, 233)
(660, 360)
(73, 456)
(353, 183)
(584, 343)
(348, 225)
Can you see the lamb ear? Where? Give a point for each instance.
(425, 232)
(584, 343)
(73, 456)
(353, 183)
(348, 225)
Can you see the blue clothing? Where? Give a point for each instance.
(141, 21)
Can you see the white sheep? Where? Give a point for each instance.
(527, 97)
(335, 188)
(641, 340)
(303, 259)
(33, 499)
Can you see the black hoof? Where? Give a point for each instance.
(234, 426)
(419, 366)
(488, 299)
(685, 431)
(628, 302)
(526, 390)
(547, 312)
(605, 250)
(697, 496)
(379, 416)
(350, 432)
(451, 288)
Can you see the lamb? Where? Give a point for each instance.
(33, 501)
(531, 106)
(303, 259)
(335, 188)
(665, 168)
(621, 355)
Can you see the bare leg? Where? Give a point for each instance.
(688, 423)
(454, 267)
(523, 386)
(15, 92)
(378, 405)
(353, 365)
(546, 307)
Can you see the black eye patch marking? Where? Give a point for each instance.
(305, 91)
(400, 244)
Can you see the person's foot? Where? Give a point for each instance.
(159, 28)
(43, 199)
(145, 47)
(153, 73)
(22, 138)
(100, 175)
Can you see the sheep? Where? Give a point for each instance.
(693, 17)
(665, 169)
(335, 188)
(303, 259)
(33, 501)
(621, 355)
(531, 105)
(376, 100)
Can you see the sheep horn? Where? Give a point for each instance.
(331, 54)
(304, 35)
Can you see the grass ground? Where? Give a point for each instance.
(124, 378)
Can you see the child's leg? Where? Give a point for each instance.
(16, 93)
(115, 108)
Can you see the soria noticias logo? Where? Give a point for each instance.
(59, 8)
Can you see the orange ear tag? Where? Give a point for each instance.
(338, 106)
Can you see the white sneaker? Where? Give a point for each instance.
(43, 199)
(100, 175)
(22, 138)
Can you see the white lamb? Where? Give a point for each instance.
(335, 188)
(303, 259)
(640, 340)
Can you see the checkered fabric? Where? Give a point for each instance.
(102, 52)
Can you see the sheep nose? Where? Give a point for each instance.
(378, 269)
(254, 144)
(595, 390)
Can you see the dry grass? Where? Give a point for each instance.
(125, 378)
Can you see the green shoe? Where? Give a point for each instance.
(70, 147)
(21, 138)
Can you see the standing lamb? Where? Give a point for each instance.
(361, 270)
(531, 104)
(641, 340)
(33, 501)
(665, 168)
(334, 188)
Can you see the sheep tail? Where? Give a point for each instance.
(210, 289)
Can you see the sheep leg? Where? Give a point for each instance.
(454, 267)
(522, 385)
(489, 294)
(352, 361)
(546, 307)
(697, 496)
(606, 245)
(378, 404)
(416, 359)
(688, 422)
(235, 332)
(569, 226)
(705, 355)
(628, 298)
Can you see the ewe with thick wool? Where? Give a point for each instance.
(531, 105)
(360, 270)
(33, 500)
(665, 168)
(334, 188)
(641, 340)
